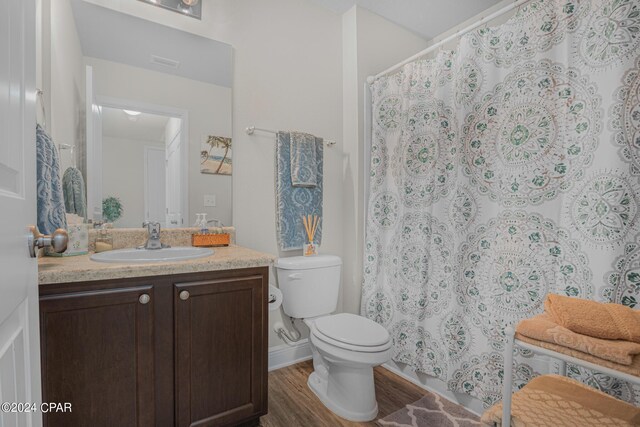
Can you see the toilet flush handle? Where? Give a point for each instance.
(295, 276)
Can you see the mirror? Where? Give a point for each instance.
(141, 113)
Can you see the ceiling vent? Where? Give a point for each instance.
(165, 62)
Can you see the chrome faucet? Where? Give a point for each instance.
(153, 240)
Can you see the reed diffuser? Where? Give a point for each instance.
(310, 225)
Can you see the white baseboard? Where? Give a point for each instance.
(285, 355)
(434, 385)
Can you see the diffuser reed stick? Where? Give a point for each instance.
(310, 225)
(316, 220)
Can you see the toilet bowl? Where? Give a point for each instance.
(343, 363)
(345, 347)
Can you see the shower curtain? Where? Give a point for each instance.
(500, 172)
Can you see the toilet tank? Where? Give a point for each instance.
(310, 285)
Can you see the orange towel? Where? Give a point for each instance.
(633, 369)
(595, 319)
(543, 328)
(552, 400)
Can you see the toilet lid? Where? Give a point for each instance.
(351, 329)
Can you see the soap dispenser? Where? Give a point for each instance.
(204, 225)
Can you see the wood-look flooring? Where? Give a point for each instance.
(292, 404)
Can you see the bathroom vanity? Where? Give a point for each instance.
(181, 343)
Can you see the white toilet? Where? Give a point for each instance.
(345, 346)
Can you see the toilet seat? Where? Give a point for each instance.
(352, 332)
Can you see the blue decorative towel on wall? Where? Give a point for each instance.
(51, 214)
(303, 160)
(75, 201)
(292, 203)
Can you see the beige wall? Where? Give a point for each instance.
(370, 44)
(287, 75)
(209, 108)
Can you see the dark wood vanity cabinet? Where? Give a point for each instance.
(181, 350)
(220, 370)
(97, 353)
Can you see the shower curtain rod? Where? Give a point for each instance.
(457, 34)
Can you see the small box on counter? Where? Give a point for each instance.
(78, 243)
(209, 240)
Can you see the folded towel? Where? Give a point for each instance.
(74, 193)
(50, 199)
(595, 319)
(632, 369)
(292, 203)
(303, 160)
(554, 400)
(543, 328)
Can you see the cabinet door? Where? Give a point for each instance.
(97, 354)
(221, 359)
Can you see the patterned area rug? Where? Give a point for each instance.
(431, 411)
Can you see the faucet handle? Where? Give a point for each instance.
(153, 228)
(151, 224)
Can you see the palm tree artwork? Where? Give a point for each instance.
(215, 155)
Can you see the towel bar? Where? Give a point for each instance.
(251, 129)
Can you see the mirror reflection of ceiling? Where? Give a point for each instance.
(141, 127)
(107, 34)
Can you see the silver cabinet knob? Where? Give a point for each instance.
(184, 295)
(144, 299)
(57, 241)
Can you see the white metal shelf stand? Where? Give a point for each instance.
(507, 384)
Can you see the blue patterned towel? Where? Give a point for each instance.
(292, 203)
(50, 203)
(75, 201)
(303, 160)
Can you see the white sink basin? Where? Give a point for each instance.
(134, 256)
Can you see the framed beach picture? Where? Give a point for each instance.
(215, 155)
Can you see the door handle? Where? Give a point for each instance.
(57, 241)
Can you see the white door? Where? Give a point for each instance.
(94, 148)
(154, 185)
(19, 324)
(174, 174)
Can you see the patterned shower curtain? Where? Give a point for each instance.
(502, 171)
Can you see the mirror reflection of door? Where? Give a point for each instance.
(155, 183)
(174, 215)
(142, 162)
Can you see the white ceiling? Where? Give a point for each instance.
(427, 18)
(115, 36)
(146, 127)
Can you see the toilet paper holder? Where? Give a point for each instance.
(274, 298)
